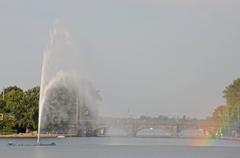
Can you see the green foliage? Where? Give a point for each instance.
(220, 113)
(61, 109)
(20, 105)
(232, 92)
(30, 104)
(7, 124)
(232, 96)
(230, 113)
(13, 99)
(2, 105)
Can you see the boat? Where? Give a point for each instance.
(61, 136)
(37, 144)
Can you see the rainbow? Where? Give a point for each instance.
(203, 142)
(215, 133)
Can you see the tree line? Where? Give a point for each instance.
(19, 109)
(228, 116)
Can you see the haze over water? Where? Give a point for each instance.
(169, 56)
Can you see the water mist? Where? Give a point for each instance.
(67, 95)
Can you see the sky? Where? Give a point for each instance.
(168, 57)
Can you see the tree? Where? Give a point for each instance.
(7, 124)
(220, 113)
(30, 103)
(22, 106)
(59, 108)
(13, 99)
(10, 106)
(232, 96)
(232, 92)
(2, 106)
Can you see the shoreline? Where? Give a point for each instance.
(31, 136)
(231, 138)
(27, 136)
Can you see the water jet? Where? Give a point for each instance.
(68, 103)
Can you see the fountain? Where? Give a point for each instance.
(68, 103)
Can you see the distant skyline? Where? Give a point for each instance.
(169, 57)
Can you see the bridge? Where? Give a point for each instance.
(133, 126)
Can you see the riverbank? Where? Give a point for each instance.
(34, 135)
(28, 135)
(231, 138)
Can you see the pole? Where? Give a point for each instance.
(76, 110)
(238, 117)
(77, 114)
(3, 93)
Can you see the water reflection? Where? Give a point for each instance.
(115, 147)
(116, 132)
(153, 132)
(192, 133)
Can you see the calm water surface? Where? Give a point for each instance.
(120, 148)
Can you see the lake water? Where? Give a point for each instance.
(107, 147)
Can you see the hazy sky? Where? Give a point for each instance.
(170, 57)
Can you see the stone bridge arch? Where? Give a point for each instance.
(172, 129)
(133, 126)
(103, 130)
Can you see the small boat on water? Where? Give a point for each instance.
(37, 144)
(47, 144)
(61, 136)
